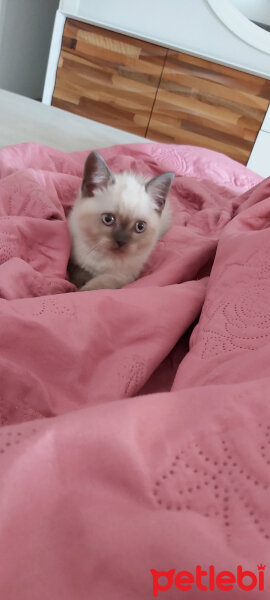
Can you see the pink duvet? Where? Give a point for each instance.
(135, 423)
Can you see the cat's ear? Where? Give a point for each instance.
(96, 174)
(158, 188)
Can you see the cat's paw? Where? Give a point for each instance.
(90, 285)
(105, 281)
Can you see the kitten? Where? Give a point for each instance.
(115, 224)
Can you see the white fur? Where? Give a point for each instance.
(127, 197)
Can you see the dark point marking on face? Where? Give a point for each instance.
(124, 223)
(121, 236)
(96, 175)
(158, 188)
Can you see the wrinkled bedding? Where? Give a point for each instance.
(135, 423)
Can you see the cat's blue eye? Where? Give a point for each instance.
(140, 226)
(108, 219)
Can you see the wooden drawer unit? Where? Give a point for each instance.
(158, 93)
(205, 104)
(107, 76)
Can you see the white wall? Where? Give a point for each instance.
(256, 10)
(25, 35)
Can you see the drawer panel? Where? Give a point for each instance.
(205, 104)
(108, 77)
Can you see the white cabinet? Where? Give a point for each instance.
(201, 28)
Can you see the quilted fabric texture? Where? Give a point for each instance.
(135, 423)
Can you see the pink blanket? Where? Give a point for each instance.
(135, 428)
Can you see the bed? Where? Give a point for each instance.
(135, 423)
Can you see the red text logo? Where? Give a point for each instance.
(208, 579)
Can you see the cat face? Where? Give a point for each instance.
(120, 215)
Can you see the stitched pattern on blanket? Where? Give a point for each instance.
(8, 246)
(16, 435)
(22, 412)
(131, 376)
(51, 306)
(176, 161)
(225, 489)
(33, 202)
(244, 324)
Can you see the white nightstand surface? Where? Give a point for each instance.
(259, 160)
(266, 122)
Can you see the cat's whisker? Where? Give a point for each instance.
(93, 248)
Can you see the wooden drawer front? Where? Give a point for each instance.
(107, 76)
(208, 105)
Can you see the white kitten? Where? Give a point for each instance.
(115, 224)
